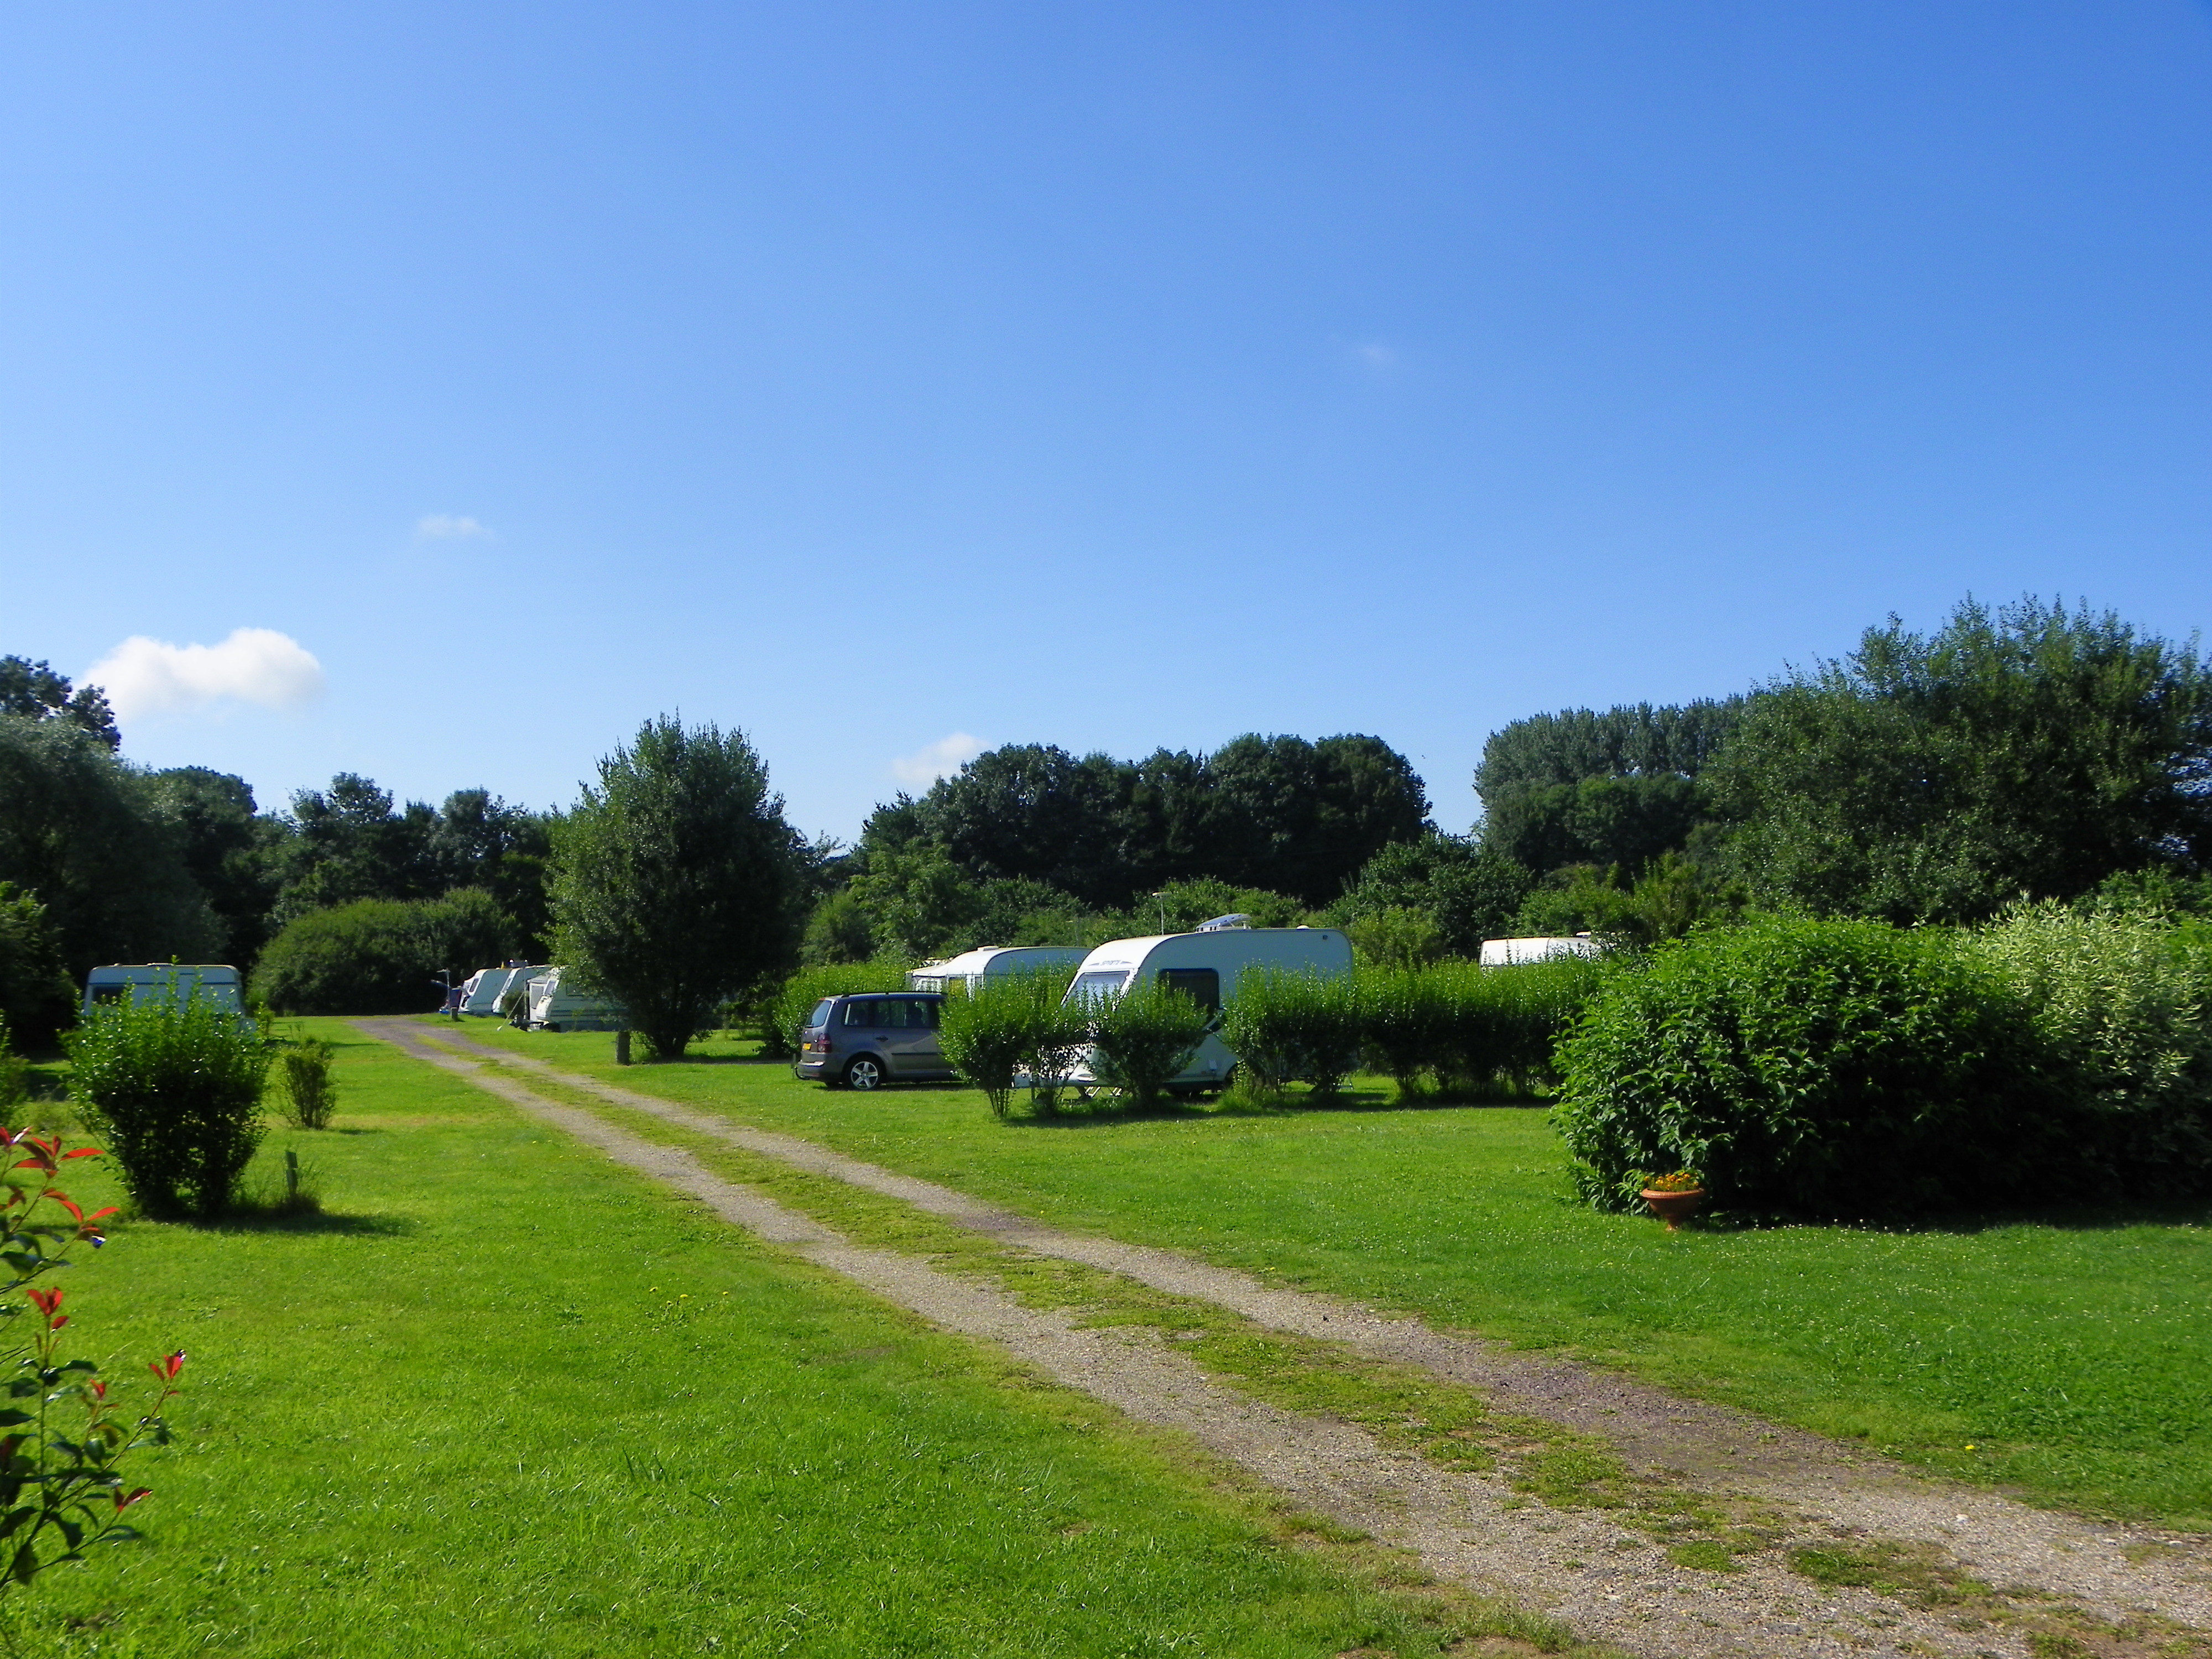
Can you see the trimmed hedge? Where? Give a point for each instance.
(1285, 1027)
(381, 955)
(1013, 1026)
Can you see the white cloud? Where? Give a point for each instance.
(254, 664)
(1374, 355)
(449, 527)
(936, 760)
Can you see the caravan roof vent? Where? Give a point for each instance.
(1237, 919)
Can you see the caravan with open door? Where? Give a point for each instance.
(1205, 966)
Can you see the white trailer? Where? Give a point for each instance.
(158, 982)
(1205, 966)
(552, 1009)
(488, 985)
(972, 968)
(1512, 952)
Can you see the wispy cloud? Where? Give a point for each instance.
(449, 527)
(144, 676)
(936, 760)
(1372, 356)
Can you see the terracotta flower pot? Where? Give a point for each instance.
(1675, 1208)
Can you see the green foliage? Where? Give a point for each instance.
(175, 1087)
(1467, 892)
(2120, 1003)
(31, 690)
(1626, 821)
(86, 835)
(677, 882)
(1279, 814)
(1143, 1038)
(1670, 897)
(1471, 1028)
(1397, 936)
(1011, 1026)
(379, 956)
(790, 1005)
(311, 1092)
(15, 1074)
(37, 999)
(61, 1485)
(1404, 1024)
(1285, 1027)
(1504, 1023)
(1814, 1067)
(2032, 751)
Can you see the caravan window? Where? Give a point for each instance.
(1101, 986)
(1201, 985)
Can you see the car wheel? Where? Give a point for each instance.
(865, 1072)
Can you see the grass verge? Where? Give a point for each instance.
(499, 1397)
(2061, 1355)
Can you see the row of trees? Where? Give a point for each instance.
(2033, 750)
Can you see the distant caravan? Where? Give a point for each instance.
(1512, 952)
(1204, 967)
(160, 982)
(552, 1009)
(971, 968)
(484, 989)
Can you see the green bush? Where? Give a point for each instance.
(1010, 1027)
(809, 986)
(381, 956)
(1814, 1067)
(2119, 1001)
(311, 1092)
(1504, 1025)
(15, 1074)
(1283, 1027)
(174, 1087)
(1404, 1024)
(1142, 1039)
(38, 999)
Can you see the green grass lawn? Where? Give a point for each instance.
(2072, 1352)
(503, 1398)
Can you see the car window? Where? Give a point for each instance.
(861, 1013)
(926, 1011)
(820, 1017)
(892, 1012)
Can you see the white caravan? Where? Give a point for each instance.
(488, 985)
(158, 982)
(552, 1009)
(1205, 966)
(1512, 952)
(972, 968)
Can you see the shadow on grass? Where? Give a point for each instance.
(1382, 1099)
(312, 1221)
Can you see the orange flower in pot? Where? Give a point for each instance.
(1674, 1198)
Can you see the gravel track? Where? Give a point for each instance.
(1609, 1584)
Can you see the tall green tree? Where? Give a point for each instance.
(35, 691)
(677, 882)
(88, 837)
(350, 843)
(2028, 750)
(1613, 787)
(1465, 892)
(233, 854)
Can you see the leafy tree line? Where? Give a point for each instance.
(104, 861)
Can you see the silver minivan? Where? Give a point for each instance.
(865, 1041)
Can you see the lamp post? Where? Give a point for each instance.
(1163, 897)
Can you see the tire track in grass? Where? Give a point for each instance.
(1883, 1594)
(2117, 1571)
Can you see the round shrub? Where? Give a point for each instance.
(175, 1089)
(381, 956)
(1824, 1067)
(1143, 1038)
(1010, 1027)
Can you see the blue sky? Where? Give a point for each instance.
(876, 377)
